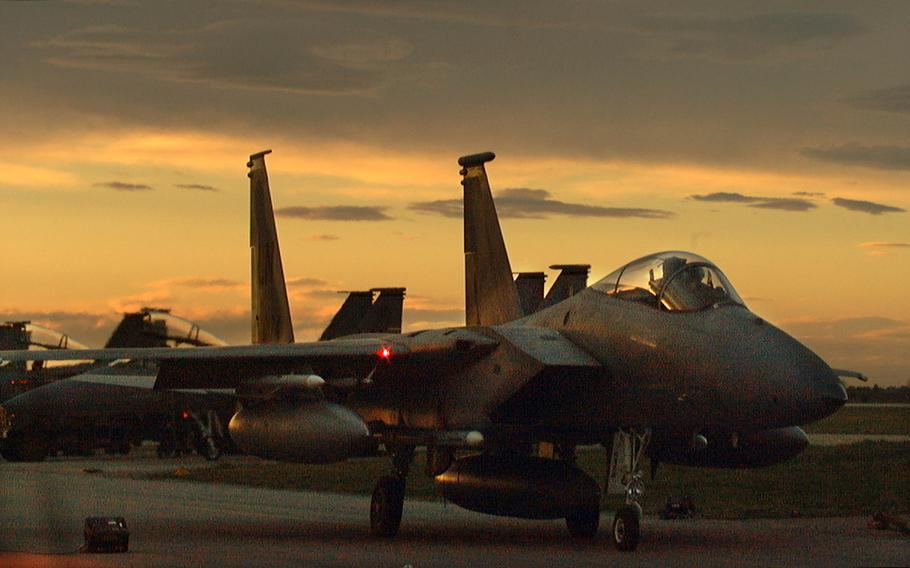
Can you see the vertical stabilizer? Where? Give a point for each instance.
(349, 315)
(572, 279)
(384, 316)
(530, 290)
(271, 315)
(490, 294)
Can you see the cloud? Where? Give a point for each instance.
(887, 99)
(197, 282)
(124, 186)
(809, 193)
(305, 282)
(197, 186)
(793, 204)
(784, 204)
(485, 14)
(522, 203)
(726, 197)
(779, 203)
(453, 208)
(314, 59)
(336, 213)
(876, 244)
(865, 206)
(749, 37)
(874, 345)
(853, 154)
(129, 3)
(868, 326)
(322, 237)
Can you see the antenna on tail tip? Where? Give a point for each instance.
(476, 159)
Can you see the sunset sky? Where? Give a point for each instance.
(771, 137)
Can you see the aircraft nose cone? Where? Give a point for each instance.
(832, 398)
(827, 394)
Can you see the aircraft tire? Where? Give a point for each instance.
(386, 507)
(627, 527)
(583, 523)
(24, 448)
(10, 454)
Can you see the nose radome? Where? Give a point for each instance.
(827, 394)
(834, 396)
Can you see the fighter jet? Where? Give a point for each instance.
(113, 406)
(86, 406)
(361, 314)
(19, 377)
(572, 279)
(661, 358)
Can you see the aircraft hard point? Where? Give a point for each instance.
(659, 359)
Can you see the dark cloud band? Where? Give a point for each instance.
(124, 186)
(778, 203)
(878, 157)
(523, 203)
(335, 213)
(865, 206)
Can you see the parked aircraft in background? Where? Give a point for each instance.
(105, 406)
(18, 377)
(115, 407)
(572, 279)
(361, 314)
(661, 358)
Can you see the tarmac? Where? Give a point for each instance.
(173, 523)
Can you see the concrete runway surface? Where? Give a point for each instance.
(42, 508)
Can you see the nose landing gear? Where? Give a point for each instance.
(625, 478)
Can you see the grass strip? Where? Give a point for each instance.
(864, 420)
(857, 479)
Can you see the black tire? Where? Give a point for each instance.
(25, 449)
(583, 523)
(627, 527)
(10, 454)
(386, 507)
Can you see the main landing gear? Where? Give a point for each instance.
(388, 496)
(625, 477)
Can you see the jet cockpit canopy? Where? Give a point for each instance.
(176, 331)
(673, 281)
(44, 338)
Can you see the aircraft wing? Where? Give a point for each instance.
(225, 367)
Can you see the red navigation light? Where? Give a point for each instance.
(184, 415)
(385, 353)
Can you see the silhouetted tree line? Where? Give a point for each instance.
(876, 393)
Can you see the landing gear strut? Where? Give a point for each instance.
(625, 477)
(388, 496)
